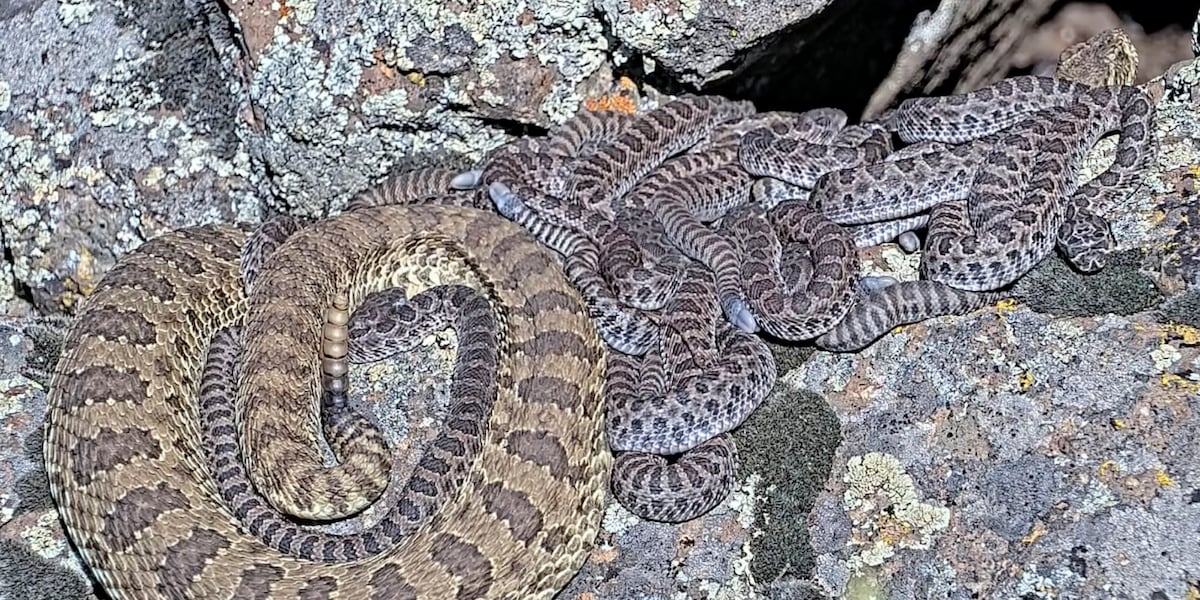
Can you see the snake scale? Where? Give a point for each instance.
(123, 437)
(174, 377)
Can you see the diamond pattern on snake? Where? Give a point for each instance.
(1002, 192)
(124, 441)
(676, 235)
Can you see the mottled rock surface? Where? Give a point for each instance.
(1042, 450)
(122, 120)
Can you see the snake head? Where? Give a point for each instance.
(739, 314)
(1086, 240)
(467, 180)
(507, 203)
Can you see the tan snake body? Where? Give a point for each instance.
(122, 436)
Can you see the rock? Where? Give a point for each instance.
(113, 130)
(170, 114)
(1048, 446)
(1058, 434)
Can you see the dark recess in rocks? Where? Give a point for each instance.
(1151, 16)
(836, 59)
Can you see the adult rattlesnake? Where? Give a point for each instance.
(123, 447)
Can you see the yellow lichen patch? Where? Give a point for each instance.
(1193, 593)
(1107, 468)
(82, 280)
(1117, 424)
(1173, 381)
(1039, 530)
(886, 513)
(1006, 305)
(1184, 334)
(1025, 380)
(416, 79)
(1163, 479)
(626, 84)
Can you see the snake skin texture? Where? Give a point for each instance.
(983, 234)
(183, 437)
(439, 472)
(123, 442)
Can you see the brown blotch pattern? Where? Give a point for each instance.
(388, 583)
(139, 509)
(185, 559)
(543, 449)
(116, 322)
(100, 384)
(466, 561)
(523, 518)
(108, 449)
(255, 582)
(545, 389)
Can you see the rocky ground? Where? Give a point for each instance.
(1043, 448)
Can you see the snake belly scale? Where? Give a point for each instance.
(122, 434)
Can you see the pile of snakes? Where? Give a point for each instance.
(694, 226)
(617, 351)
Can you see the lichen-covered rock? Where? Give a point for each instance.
(696, 42)
(343, 92)
(117, 125)
(112, 130)
(1028, 452)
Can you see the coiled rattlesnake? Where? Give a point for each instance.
(123, 441)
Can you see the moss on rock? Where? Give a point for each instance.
(789, 441)
(1119, 288)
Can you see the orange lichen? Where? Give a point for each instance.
(892, 530)
(284, 9)
(381, 65)
(611, 102)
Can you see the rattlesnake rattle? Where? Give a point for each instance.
(385, 324)
(717, 390)
(123, 444)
